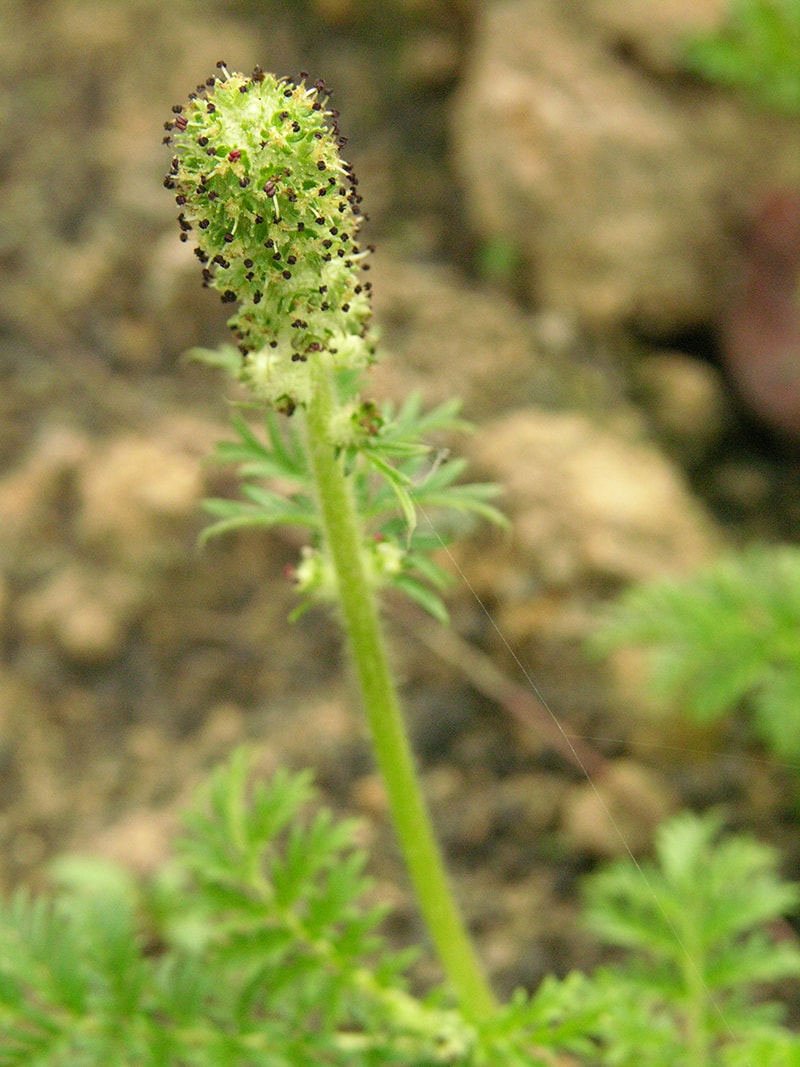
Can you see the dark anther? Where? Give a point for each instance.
(177, 109)
(296, 127)
(321, 165)
(202, 141)
(169, 183)
(211, 82)
(300, 227)
(244, 88)
(227, 238)
(324, 305)
(249, 275)
(270, 188)
(327, 243)
(291, 260)
(277, 256)
(234, 155)
(258, 74)
(180, 199)
(284, 115)
(248, 263)
(319, 220)
(244, 182)
(184, 236)
(211, 108)
(258, 220)
(316, 106)
(228, 297)
(220, 64)
(257, 297)
(333, 231)
(323, 288)
(345, 307)
(322, 192)
(212, 195)
(168, 125)
(211, 151)
(203, 224)
(181, 122)
(273, 344)
(287, 274)
(287, 93)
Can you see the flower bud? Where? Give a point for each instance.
(274, 212)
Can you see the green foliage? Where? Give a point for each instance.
(255, 948)
(394, 476)
(695, 927)
(728, 635)
(758, 50)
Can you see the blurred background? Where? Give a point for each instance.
(594, 246)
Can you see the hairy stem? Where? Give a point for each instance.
(381, 704)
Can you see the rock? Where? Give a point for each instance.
(86, 612)
(140, 841)
(448, 341)
(588, 506)
(618, 813)
(685, 398)
(619, 179)
(30, 493)
(650, 34)
(140, 496)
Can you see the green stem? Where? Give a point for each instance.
(697, 1038)
(382, 707)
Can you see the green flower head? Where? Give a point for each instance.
(274, 212)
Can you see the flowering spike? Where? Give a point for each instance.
(259, 178)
